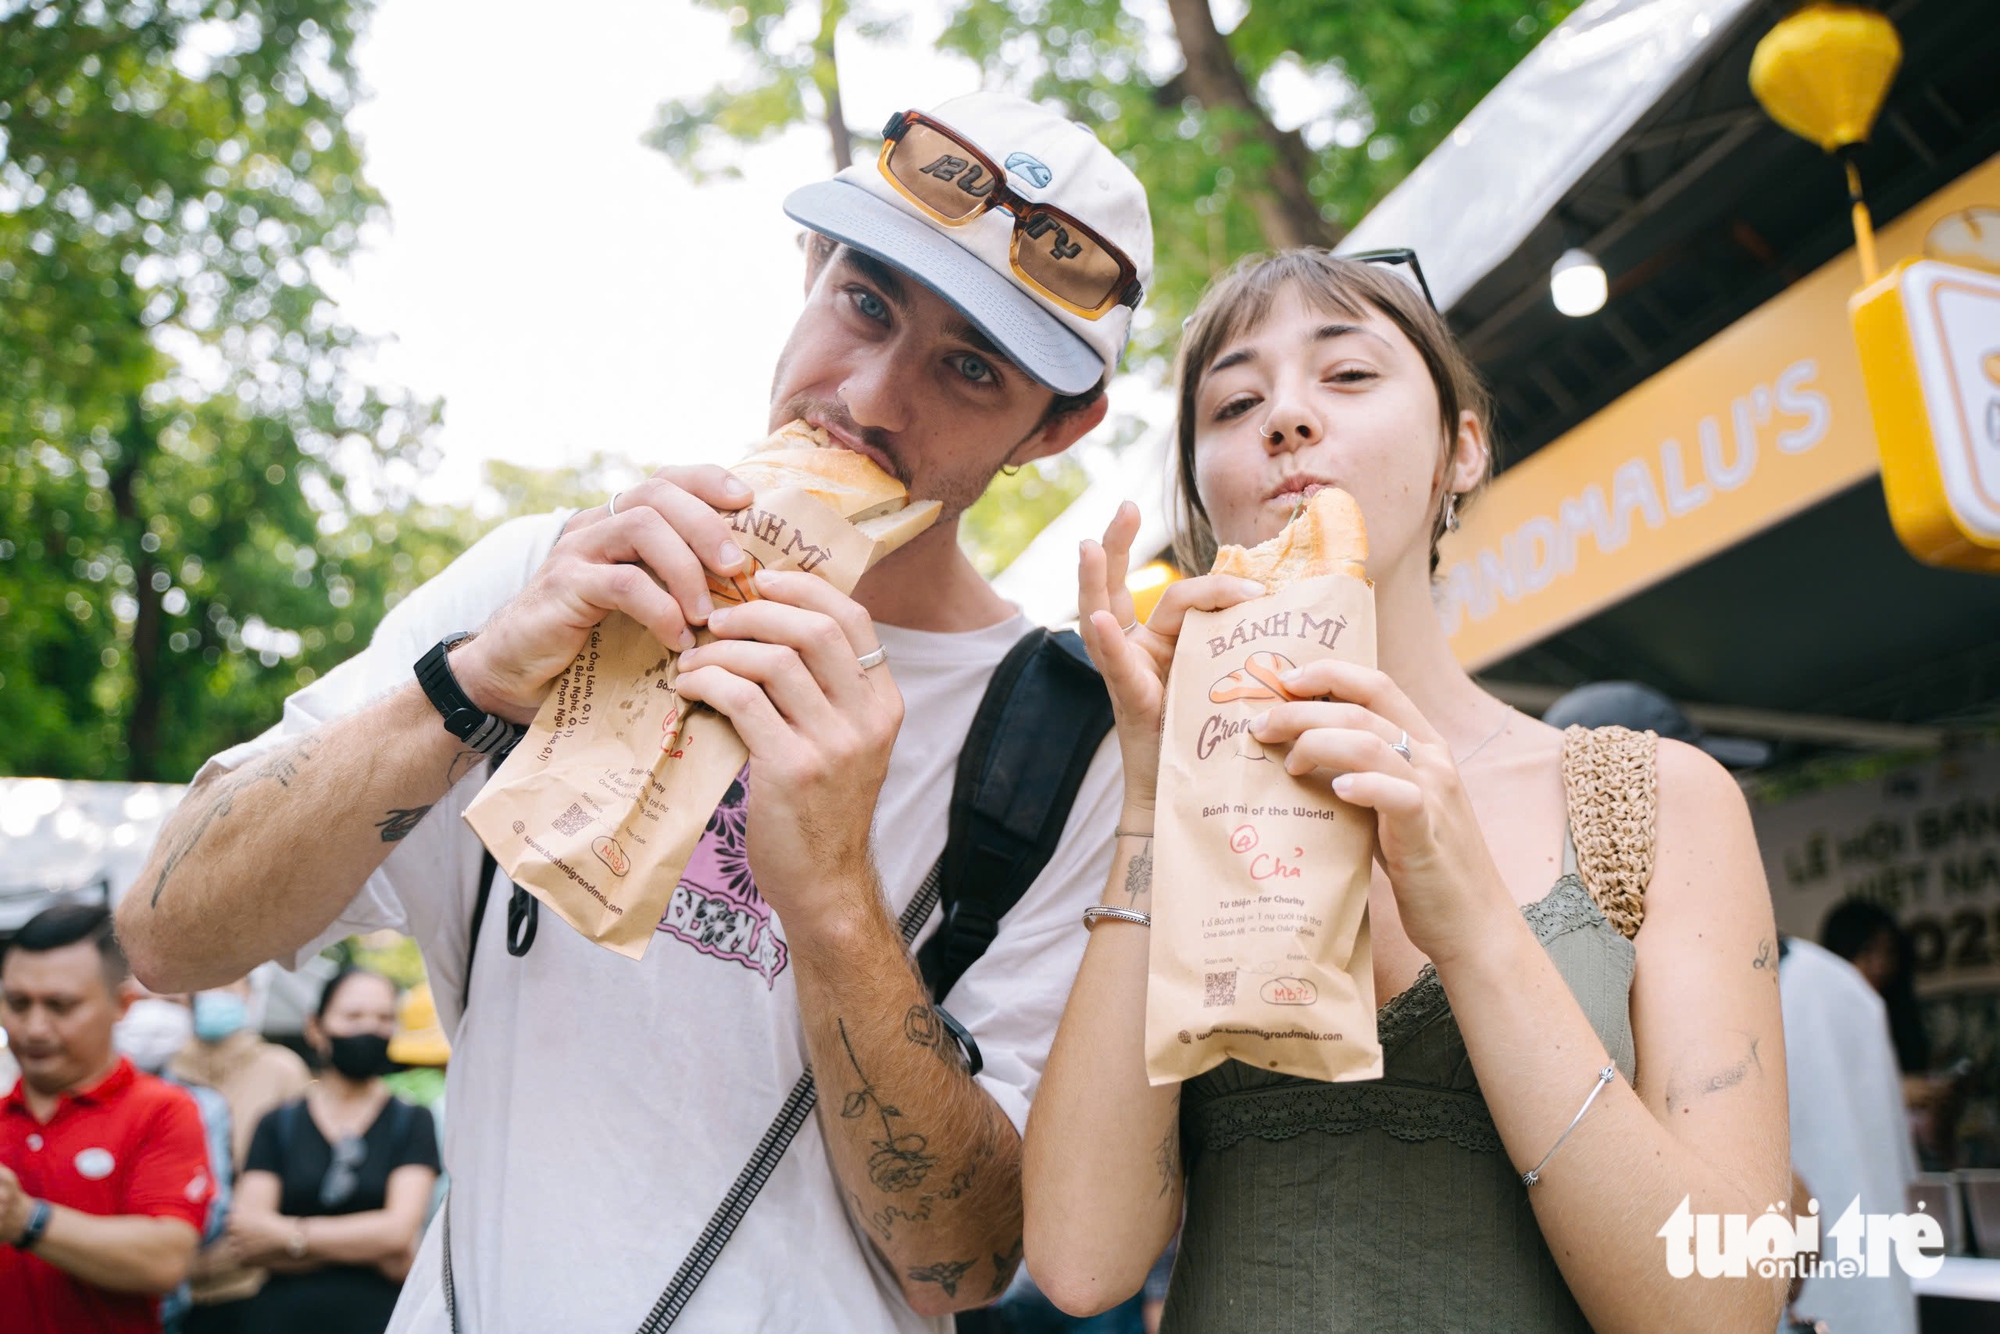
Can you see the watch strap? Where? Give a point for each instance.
(487, 733)
(38, 1223)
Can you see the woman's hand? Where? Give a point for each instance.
(255, 1238)
(1135, 658)
(1343, 729)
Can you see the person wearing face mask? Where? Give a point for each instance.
(229, 1059)
(153, 1031)
(336, 1183)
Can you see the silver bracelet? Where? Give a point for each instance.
(1604, 1076)
(1097, 911)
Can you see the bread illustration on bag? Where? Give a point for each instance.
(602, 802)
(1260, 949)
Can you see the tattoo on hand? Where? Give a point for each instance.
(1139, 872)
(899, 1162)
(945, 1273)
(398, 824)
(283, 767)
(1003, 1269)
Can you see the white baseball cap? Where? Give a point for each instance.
(1047, 163)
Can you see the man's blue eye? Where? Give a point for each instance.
(972, 368)
(870, 305)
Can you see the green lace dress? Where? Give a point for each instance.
(1387, 1205)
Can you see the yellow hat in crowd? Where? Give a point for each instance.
(419, 1037)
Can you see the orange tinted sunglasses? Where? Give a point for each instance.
(935, 168)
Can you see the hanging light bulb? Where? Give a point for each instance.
(1578, 284)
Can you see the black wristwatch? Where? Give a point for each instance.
(484, 732)
(38, 1223)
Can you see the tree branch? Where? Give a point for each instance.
(1285, 208)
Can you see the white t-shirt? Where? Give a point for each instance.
(1849, 1135)
(602, 1106)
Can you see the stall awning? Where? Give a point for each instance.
(1569, 102)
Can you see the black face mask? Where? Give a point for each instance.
(360, 1055)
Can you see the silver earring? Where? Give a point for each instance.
(1451, 511)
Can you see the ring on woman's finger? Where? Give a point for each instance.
(1129, 626)
(611, 505)
(874, 658)
(1402, 747)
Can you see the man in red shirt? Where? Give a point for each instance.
(104, 1180)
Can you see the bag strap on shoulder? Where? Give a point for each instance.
(1037, 729)
(1611, 780)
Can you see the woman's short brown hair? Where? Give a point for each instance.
(1242, 297)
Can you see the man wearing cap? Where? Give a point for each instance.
(967, 294)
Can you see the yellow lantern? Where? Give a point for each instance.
(1823, 74)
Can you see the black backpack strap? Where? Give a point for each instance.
(1037, 729)
(523, 912)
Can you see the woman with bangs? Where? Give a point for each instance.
(1537, 961)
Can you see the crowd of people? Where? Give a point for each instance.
(1583, 1024)
(163, 1167)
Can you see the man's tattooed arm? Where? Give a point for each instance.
(258, 861)
(184, 835)
(927, 1160)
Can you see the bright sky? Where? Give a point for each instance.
(560, 285)
(565, 289)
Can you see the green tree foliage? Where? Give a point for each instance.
(1016, 506)
(1217, 172)
(793, 79)
(184, 457)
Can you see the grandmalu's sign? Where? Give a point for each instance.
(1929, 335)
(1763, 420)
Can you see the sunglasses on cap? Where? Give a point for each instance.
(935, 168)
(1402, 263)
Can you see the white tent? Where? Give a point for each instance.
(77, 838)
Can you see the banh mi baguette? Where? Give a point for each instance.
(1326, 536)
(804, 457)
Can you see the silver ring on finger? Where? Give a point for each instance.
(1402, 747)
(611, 505)
(875, 657)
(1129, 626)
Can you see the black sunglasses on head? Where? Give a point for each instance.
(1403, 263)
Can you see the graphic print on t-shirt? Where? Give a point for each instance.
(716, 907)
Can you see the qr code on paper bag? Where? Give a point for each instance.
(1218, 989)
(573, 821)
